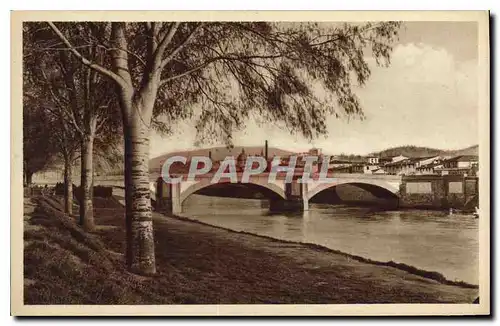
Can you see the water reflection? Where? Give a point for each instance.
(426, 239)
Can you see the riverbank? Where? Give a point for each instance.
(197, 263)
(404, 267)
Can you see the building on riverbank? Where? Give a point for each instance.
(459, 165)
(413, 166)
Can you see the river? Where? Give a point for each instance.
(429, 240)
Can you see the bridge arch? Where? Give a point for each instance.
(275, 189)
(386, 186)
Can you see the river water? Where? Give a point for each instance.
(428, 240)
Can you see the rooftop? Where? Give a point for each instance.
(464, 158)
(400, 163)
(429, 166)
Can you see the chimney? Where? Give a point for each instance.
(265, 151)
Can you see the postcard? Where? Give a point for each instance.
(250, 163)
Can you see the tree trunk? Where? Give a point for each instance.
(86, 189)
(68, 186)
(29, 178)
(140, 238)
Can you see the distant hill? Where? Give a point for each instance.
(472, 150)
(417, 151)
(218, 153)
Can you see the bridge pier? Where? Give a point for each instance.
(296, 199)
(288, 205)
(176, 198)
(168, 197)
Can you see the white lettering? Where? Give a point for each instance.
(306, 175)
(165, 171)
(276, 167)
(323, 174)
(193, 167)
(231, 174)
(249, 170)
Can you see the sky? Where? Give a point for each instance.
(428, 96)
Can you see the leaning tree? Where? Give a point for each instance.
(222, 73)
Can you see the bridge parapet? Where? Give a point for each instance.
(386, 177)
(315, 176)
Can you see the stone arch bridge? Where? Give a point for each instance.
(282, 195)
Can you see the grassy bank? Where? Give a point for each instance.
(197, 263)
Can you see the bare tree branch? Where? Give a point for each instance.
(165, 41)
(62, 107)
(86, 61)
(135, 55)
(187, 72)
(230, 57)
(179, 47)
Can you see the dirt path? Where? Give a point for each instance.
(248, 268)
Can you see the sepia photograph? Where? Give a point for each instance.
(250, 163)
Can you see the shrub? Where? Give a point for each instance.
(103, 191)
(99, 191)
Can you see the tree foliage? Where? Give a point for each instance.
(82, 95)
(222, 73)
(39, 148)
(71, 92)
